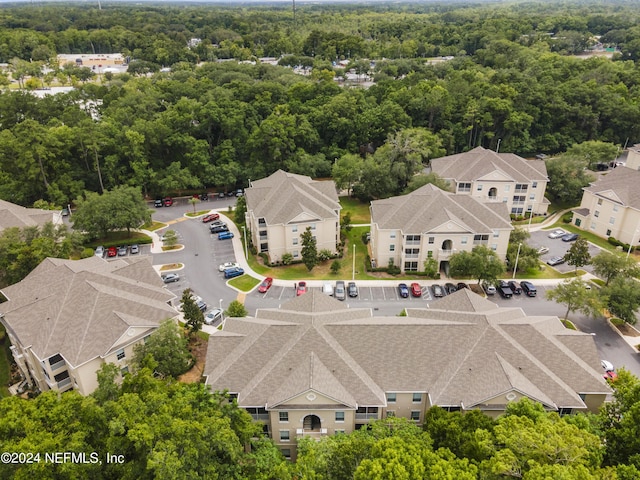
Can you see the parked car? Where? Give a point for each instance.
(265, 285)
(504, 290)
(122, 250)
(158, 203)
(225, 266)
(327, 289)
(239, 192)
(450, 288)
(340, 292)
(608, 366)
(543, 250)
(515, 287)
(528, 289)
(168, 201)
(403, 290)
(416, 290)
(204, 196)
(301, 288)
(221, 195)
(233, 272)
(488, 288)
(99, 251)
(171, 277)
(213, 315)
(225, 235)
(219, 228)
(570, 237)
(438, 291)
(610, 375)
(352, 289)
(65, 212)
(112, 252)
(201, 305)
(133, 249)
(555, 260)
(210, 217)
(461, 285)
(557, 233)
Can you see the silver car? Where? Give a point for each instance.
(340, 293)
(100, 251)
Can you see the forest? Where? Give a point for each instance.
(511, 81)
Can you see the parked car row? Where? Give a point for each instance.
(163, 202)
(117, 251)
(506, 289)
(565, 236)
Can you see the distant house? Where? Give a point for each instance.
(67, 318)
(610, 207)
(432, 223)
(497, 177)
(12, 215)
(281, 207)
(315, 367)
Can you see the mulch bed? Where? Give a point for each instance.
(627, 330)
(198, 348)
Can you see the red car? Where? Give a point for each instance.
(301, 288)
(610, 375)
(210, 217)
(416, 290)
(168, 202)
(265, 285)
(112, 252)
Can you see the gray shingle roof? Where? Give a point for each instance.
(80, 308)
(476, 163)
(12, 215)
(465, 351)
(619, 185)
(428, 208)
(284, 197)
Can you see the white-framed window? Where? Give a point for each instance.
(464, 187)
(464, 240)
(532, 196)
(340, 417)
(339, 431)
(415, 415)
(496, 234)
(608, 234)
(479, 188)
(505, 199)
(313, 226)
(295, 241)
(432, 240)
(120, 354)
(392, 248)
(529, 208)
(596, 214)
(391, 413)
(615, 208)
(295, 254)
(612, 220)
(599, 201)
(124, 370)
(417, 398)
(494, 246)
(284, 417)
(392, 235)
(507, 188)
(593, 225)
(286, 453)
(294, 229)
(391, 398)
(534, 184)
(284, 436)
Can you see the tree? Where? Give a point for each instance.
(578, 254)
(346, 222)
(347, 171)
(567, 178)
(481, 263)
(168, 347)
(623, 298)
(240, 211)
(335, 266)
(194, 201)
(431, 267)
(309, 249)
(236, 309)
(574, 294)
(422, 179)
(609, 265)
(594, 152)
(194, 318)
(170, 238)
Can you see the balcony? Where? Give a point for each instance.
(58, 365)
(260, 417)
(492, 198)
(366, 416)
(315, 434)
(445, 254)
(263, 238)
(62, 384)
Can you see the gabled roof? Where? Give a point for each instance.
(482, 163)
(80, 308)
(286, 197)
(466, 351)
(619, 185)
(12, 215)
(429, 209)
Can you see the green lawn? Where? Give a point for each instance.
(359, 211)
(152, 226)
(601, 242)
(121, 237)
(244, 283)
(197, 214)
(547, 272)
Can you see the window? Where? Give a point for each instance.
(564, 411)
(430, 254)
(415, 415)
(516, 211)
(529, 208)
(264, 247)
(593, 225)
(294, 229)
(340, 417)
(392, 248)
(412, 252)
(578, 222)
(464, 187)
(599, 201)
(534, 184)
(410, 266)
(479, 188)
(124, 370)
(392, 235)
(615, 208)
(413, 238)
(313, 226)
(494, 246)
(507, 188)
(608, 231)
(480, 239)
(284, 416)
(120, 354)
(295, 254)
(286, 453)
(146, 339)
(532, 196)
(295, 241)
(284, 435)
(612, 220)
(432, 240)
(521, 187)
(417, 397)
(496, 234)
(519, 198)
(391, 413)
(596, 214)
(464, 240)
(339, 431)
(505, 199)
(391, 398)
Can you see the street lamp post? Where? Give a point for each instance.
(353, 269)
(515, 267)
(244, 232)
(498, 146)
(221, 314)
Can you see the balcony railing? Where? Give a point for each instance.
(493, 198)
(412, 242)
(58, 365)
(260, 417)
(64, 383)
(444, 254)
(301, 432)
(366, 416)
(412, 255)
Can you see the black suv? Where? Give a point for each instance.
(504, 290)
(158, 203)
(528, 289)
(515, 287)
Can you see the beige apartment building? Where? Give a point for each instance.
(315, 367)
(497, 177)
(281, 207)
(610, 207)
(431, 223)
(67, 318)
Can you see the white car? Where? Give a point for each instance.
(100, 251)
(228, 265)
(608, 366)
(213, 315)
(557, 233)
(327, 289)
(543, 250)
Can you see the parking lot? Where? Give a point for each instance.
(558, 248)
